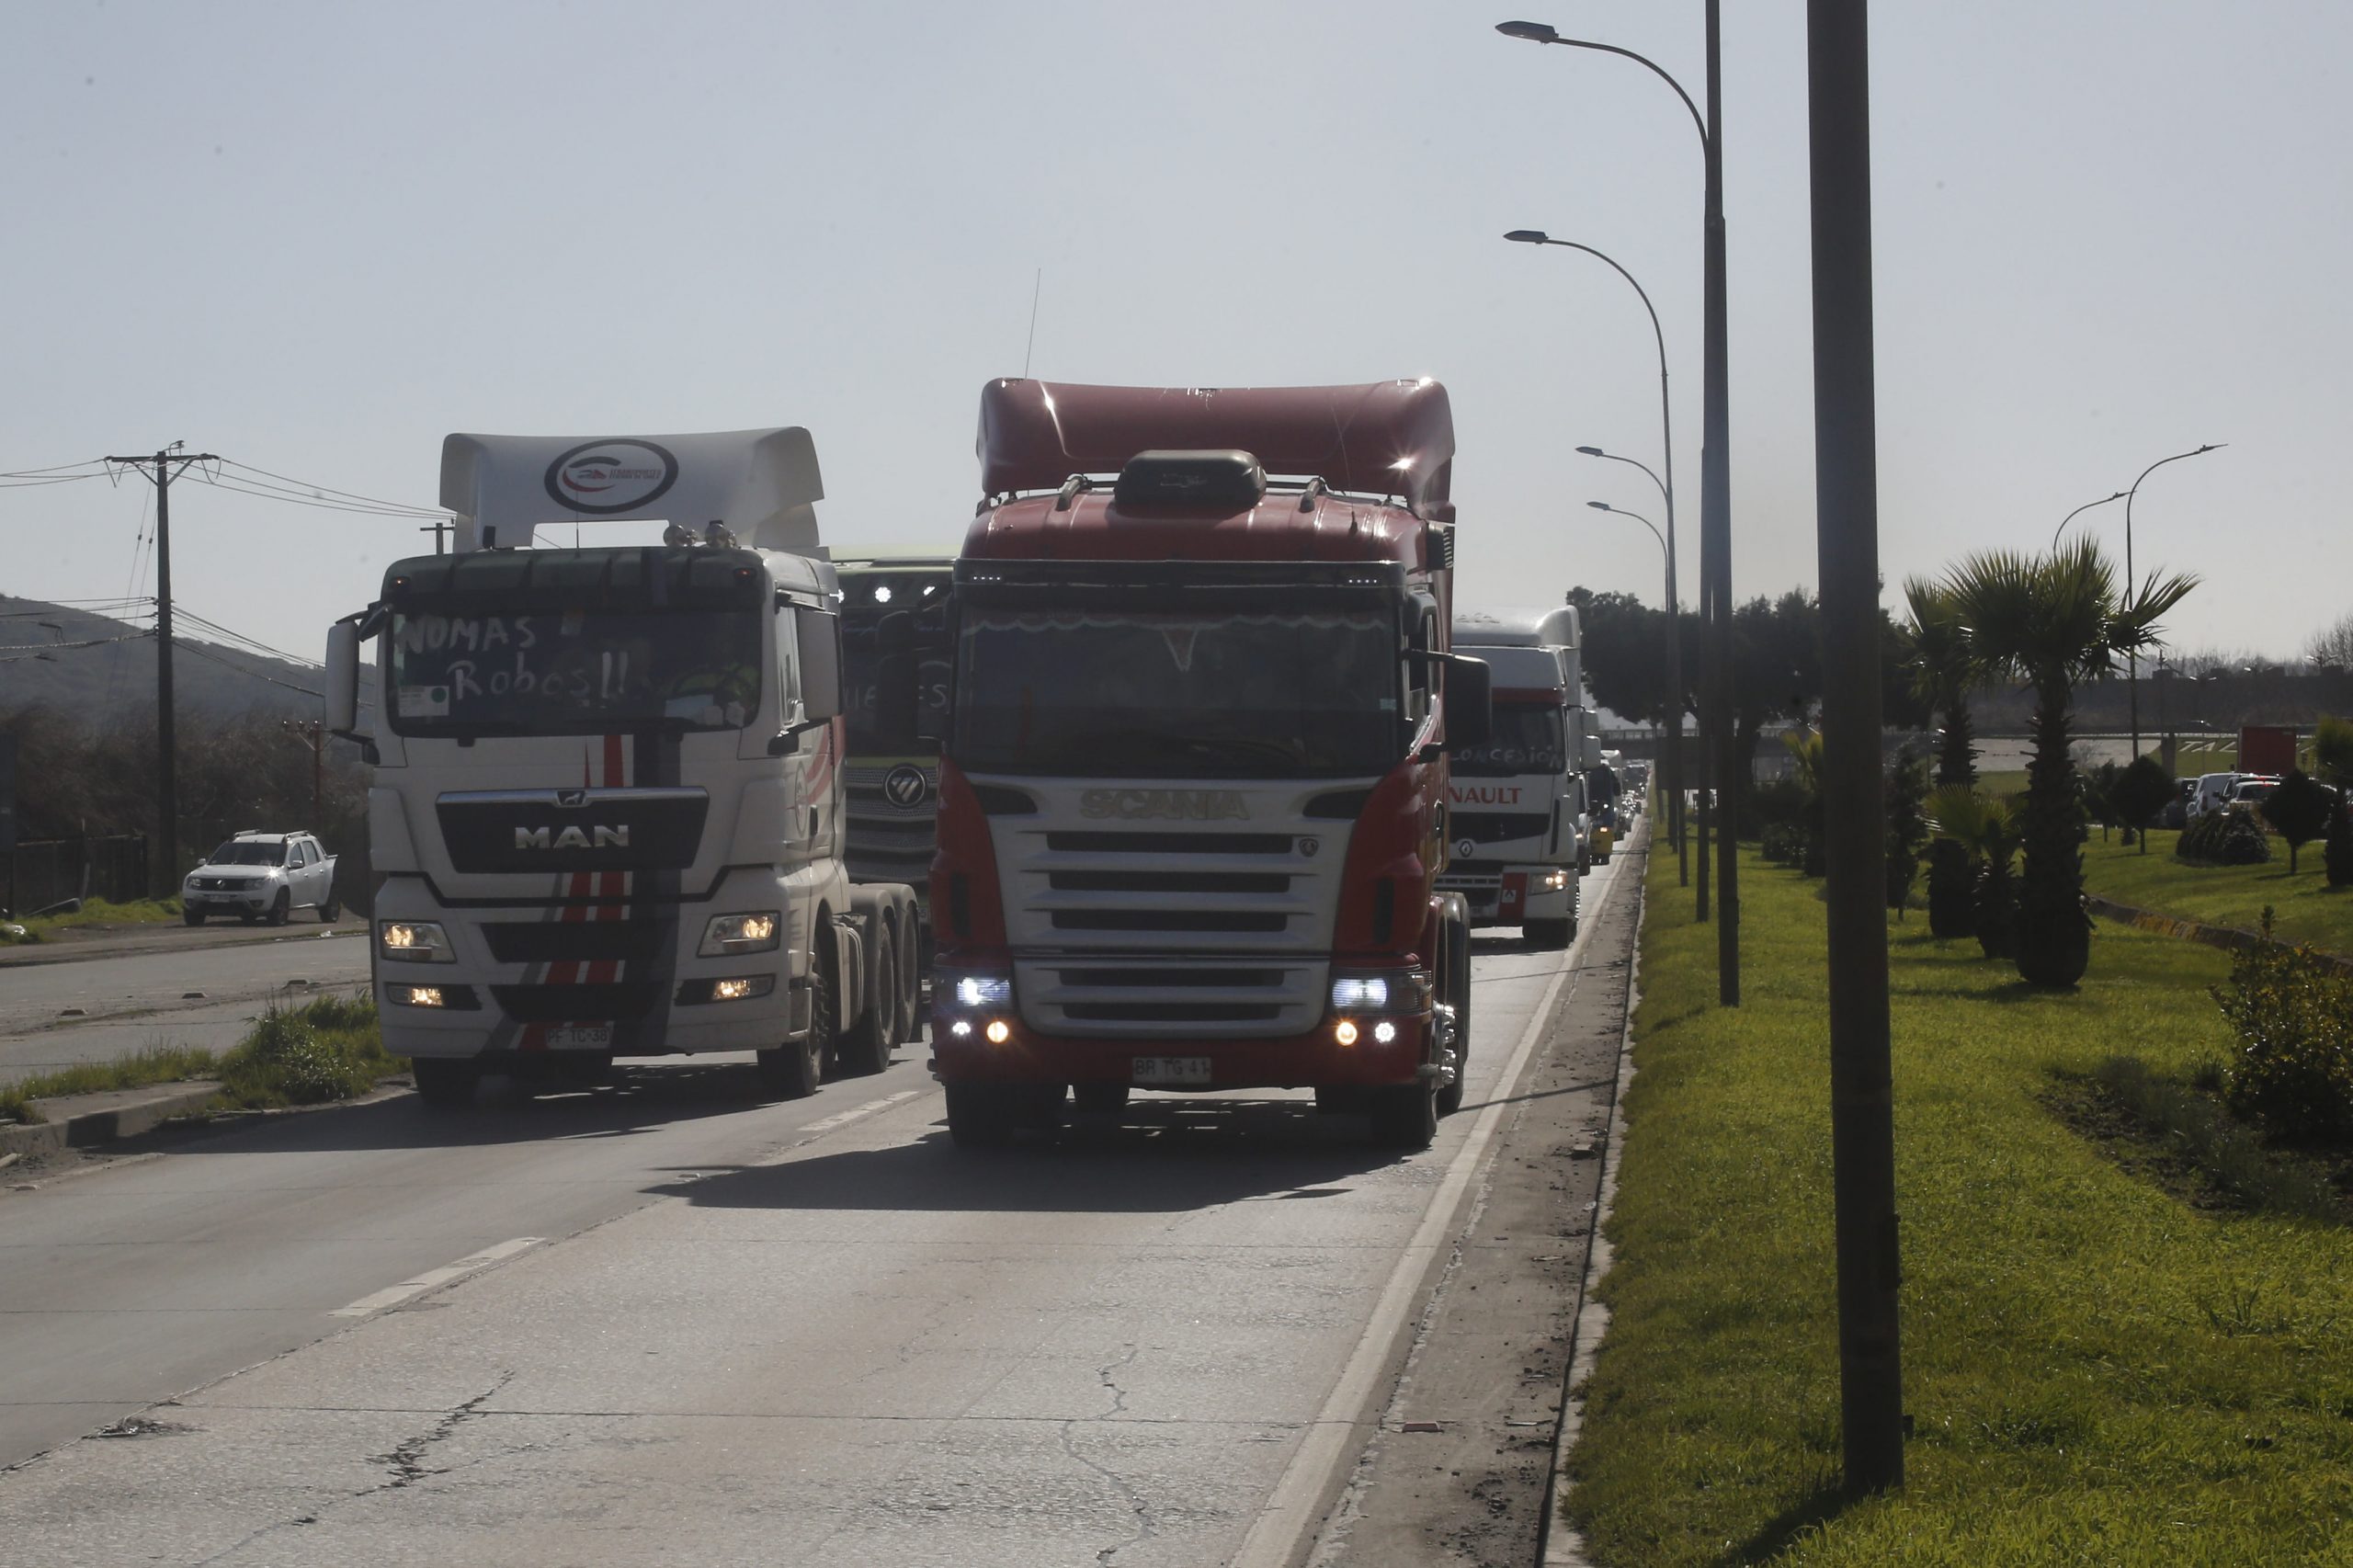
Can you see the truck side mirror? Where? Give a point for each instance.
(342, 679)
(1470, 703)
(819, 633)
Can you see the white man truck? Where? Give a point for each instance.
(1517, 814)
(606, 817)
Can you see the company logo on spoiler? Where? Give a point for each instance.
(606, 477)
(594, 838)
(1176, 805)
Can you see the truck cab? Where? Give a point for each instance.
(1520, 825)
(606, 817)
(1193, 771)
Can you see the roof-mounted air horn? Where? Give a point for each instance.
(1223, 481)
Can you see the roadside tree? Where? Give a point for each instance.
(2299, 811)
(1944, 670)
(2056, 622)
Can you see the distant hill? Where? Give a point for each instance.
(207, 677)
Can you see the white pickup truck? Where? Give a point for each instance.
(261, 876)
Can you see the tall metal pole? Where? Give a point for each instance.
(168, 464)
(1715, 539)
(2133, 680)
(1862, 1117)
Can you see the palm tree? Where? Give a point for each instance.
(1983, 828)
(2057, 622)
(1944, 668)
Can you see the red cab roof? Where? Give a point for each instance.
(1382, 438)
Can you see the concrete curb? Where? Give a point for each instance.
(145, 941)
(81, 1121)
(2230, 937)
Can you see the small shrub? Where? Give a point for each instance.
(2224, 839)
(2299, 811)
(330, 1049)
(2293, 1012)
(1782, 844)
(1907, 826)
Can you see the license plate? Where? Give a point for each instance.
(1171, 1069)
(581, 1037)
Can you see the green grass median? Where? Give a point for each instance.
(2307, 908)
(94, 912)
(2099, 1370)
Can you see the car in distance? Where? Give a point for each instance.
(261, 876)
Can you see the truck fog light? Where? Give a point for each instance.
(1384, 1031)
(736, 988)
(998, 1031)
(1345, 1031)
(417, 996)
(960, 1028)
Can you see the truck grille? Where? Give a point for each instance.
(890, 842)
(580, 1004)
(573, 941)
(1176, 930)
(573, 830)
(1498, 828)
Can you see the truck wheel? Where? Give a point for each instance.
(444, 1081)
(915, 956)
(279, 911)
(192, 916)
(1101, 1099)
(1458, 965)
(1552, 934)
(791, 1070)
(865, 1049)
(1404, 1116)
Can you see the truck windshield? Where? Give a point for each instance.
(862, 640)
(1147, 695)
(572, 672)
(1526, 739)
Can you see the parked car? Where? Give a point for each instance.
(261, 876)
(2250, 791)
(2211, 788)
(2176, 811)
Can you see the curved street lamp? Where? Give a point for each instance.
(1715, 473)
(2133, 680)
(2079, 512)
(1671, 775)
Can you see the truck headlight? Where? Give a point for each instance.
(729, 934)
(414, 941)
(980, 993)
(1381, 991)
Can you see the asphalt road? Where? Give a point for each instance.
(132, 1001)
(664, 1323)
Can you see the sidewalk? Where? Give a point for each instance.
(77, 944)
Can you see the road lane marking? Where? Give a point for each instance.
(393, 1295)
(840, 1119)
(1282, 1526)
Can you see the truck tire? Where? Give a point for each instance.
(284, 906)
(191, 917)
(444, 1082)
(791, 1070)
(865, 1048)
(914, 958)
(1404, 1116)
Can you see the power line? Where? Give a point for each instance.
(96, 464)
(295, 498)
(199, 650)
(330, 490)
(250, 644)
(36, 650)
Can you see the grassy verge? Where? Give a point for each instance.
(2307, 908)
(95, 912)
(2097, 1371)
(329, 1049)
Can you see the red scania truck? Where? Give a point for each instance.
(1193, 774)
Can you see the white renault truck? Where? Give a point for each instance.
(1517, 814)
(606, 817)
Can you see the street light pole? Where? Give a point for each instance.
(1671, 782)
(2133, 680)
(2079, 512)
(1672, 776)
(1721, 767)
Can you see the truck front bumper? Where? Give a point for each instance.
(964, 1051)
(1519, 894)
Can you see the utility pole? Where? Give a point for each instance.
(436, 528)
(313, 734)
(1862, 1115)
(1715, 539)
(168, 464)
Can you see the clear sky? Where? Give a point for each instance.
(316, 238)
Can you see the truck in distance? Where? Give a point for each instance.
(1193, 772)
(1519, 822)
(607, 813)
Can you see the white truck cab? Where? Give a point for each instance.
(1517, 823)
